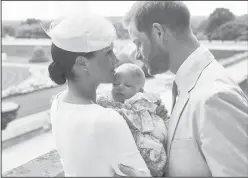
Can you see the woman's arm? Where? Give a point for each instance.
(117, 143)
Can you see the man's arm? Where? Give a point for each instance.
(117, 144)
(223, 133)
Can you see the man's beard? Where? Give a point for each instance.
(159, 64)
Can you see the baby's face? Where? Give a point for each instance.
(125, 86)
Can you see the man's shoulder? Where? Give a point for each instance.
(217, 92)
(214, 81)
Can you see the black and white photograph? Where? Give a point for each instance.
(124, 89)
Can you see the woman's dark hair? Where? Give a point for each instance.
(61, 67)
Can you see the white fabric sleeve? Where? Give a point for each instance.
(116, 142)
(224, 133)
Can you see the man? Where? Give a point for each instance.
(208, 131)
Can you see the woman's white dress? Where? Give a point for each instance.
(92, 140)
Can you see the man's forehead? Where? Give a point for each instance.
(133, 32)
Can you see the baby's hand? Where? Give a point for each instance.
(161, 111)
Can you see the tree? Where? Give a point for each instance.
(31, 31)
(217, 18)
(230, 31)
(24, 31)
(8, 30)
(122, 33)
(202, 26)
(31, 21)
(243, 37)
(39, 55)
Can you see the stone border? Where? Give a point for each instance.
(38, 80)
(47, 165)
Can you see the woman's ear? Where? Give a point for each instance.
(80, 60)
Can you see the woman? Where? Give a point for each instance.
(91, 140)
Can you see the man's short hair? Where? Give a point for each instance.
(173, 14)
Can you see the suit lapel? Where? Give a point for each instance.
(175, 117)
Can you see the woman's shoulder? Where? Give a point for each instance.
(108, 114)
(108, 119)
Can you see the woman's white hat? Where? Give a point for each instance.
(81, 32)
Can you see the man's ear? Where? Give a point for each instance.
(158, 31)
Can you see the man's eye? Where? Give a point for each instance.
(110, 52)
(138, 45)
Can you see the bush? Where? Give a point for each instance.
(230, 31)
(39, 55)
(217, 18)
(31, 31)
(201, 36)
(243, 37)
(8, 30)
(122, 33)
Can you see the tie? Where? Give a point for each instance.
(174, 95)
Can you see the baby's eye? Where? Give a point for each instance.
(129, 86)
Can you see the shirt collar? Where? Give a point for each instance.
(192, 67)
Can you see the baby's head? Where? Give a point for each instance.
(129, 80)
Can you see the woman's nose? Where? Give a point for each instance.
(115, 61)
(138, 56)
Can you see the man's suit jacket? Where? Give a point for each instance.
(208, 130)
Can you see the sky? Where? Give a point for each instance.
(21, 10)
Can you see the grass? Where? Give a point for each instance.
(223, 54)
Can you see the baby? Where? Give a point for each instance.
(129, 80)
(138, 108)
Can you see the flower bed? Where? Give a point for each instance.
(39, 79)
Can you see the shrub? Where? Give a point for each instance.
(230, 31)
(243, 37)
(39, 55)
(217, 18)
(201, 36)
